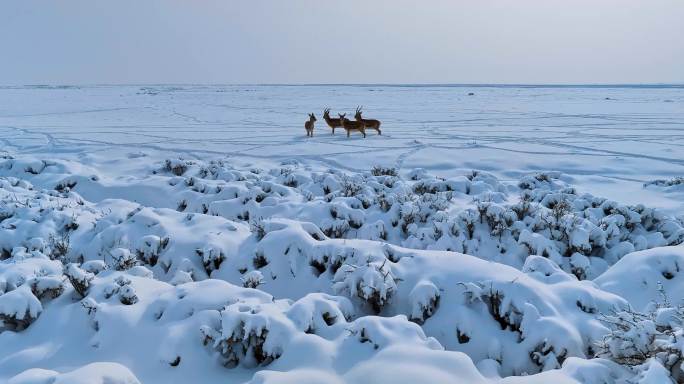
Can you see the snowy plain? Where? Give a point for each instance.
(195, 234)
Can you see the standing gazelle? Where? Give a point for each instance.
(368, 123)
(309, 125)
(350, 125)
(332, 122)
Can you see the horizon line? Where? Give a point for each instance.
(509, 85)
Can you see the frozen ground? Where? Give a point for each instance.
(610, 140)
(178, 233)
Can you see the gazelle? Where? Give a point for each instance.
(332, 122)
(368, 123)
(350, 125)
(309, 125)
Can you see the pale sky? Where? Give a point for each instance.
(353, 41)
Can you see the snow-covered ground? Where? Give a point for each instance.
(195, 234)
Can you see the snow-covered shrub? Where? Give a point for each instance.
(678, 180)
(78, 278)
(537, 338)
(259, 260)
(317, 311)
(373, 231)
(288, 179)
(248, 335)
(150, 248)
(176, 166)
(212, 257)
(65, 185)
(336, 228)
(258, 228)
(372, 283)
(94, 266)
(350, 187)
(538, 244)
(46, 287)
(378, 170)
(36, 167)
(424, 298)
(426, 212)
(507, 321)
(122, 287)
(541, 180)
(123, 259)
(91, 307)
(59, 246)
(252, 333)
(127, 295)
(504, 312)
(252, 279)
(182, 205)
(353, 217)
(637, 338)
(417, 174)
(19, 308)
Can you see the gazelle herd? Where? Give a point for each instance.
(358, 124)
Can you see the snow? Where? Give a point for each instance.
(650, 271)
(195, 234)
(100, 373)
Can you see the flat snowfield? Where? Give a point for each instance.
(609, 140)
(195, 234)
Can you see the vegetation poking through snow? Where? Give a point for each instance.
(80, 280)
(638, 339)
(679, 180)
(407, 258)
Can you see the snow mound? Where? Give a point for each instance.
(94, 373)
(294, 275)
(651, 272)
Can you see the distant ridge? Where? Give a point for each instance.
(448, 85)
(398, 85)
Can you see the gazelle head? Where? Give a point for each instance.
(326, 113)
(357, 114)
(312, 117)
(342, 115)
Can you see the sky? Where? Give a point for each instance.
(352, 41)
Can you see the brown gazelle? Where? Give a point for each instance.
(350, 125)
(309, 125)
(331, 121)
(368, 123)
